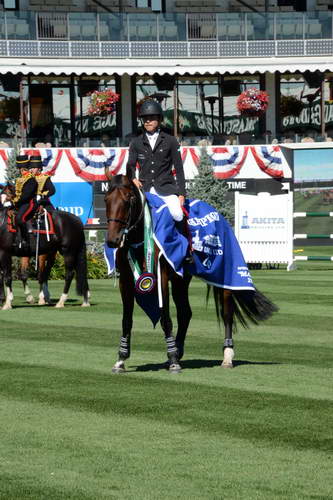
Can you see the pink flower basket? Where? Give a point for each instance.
(102, 102)
(253, 102)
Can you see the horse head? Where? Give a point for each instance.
(123, 210)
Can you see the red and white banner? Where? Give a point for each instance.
(50, 158)
(251, 162)
(269, 159)
(90, 164)
(227, 160)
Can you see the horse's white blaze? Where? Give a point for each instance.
(228, 356)
(62, 300)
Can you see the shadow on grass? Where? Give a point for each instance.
(195, 364)
(53, 302)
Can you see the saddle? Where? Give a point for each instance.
(40, 223)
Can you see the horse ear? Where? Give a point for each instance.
(108, 174)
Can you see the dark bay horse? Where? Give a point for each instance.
(45, 262)
(69, 240)
(124, 211)
(42, 276)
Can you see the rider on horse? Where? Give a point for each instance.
(157, 153)
(45, 185)
(25, 196)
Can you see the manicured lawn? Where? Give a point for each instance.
(72, 430)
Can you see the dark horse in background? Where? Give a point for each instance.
(124, 212)
(68, 239)
(45, 262)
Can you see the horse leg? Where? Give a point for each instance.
(127, 297)
(166, 324)
(6, 266)
(69, 274)
(45, 263)
(179, 287)
(24, 278)
(227, 310)
(81, 273)
(2, 290)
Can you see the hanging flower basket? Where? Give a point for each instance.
(290, 106)
(102, 102)
(253, 102)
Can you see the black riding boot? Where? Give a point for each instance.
(182, 228)
(24, 243)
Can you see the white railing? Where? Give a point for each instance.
(52, 25)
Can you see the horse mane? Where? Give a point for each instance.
(122, 181)
(119, 181)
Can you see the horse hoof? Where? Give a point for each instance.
(175, 368)
(85, 304)
(59, 306)
(29, 299)
(41, 302)
(118, 368)
(227, 365)
(6, 307)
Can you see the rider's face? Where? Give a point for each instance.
(151, 122)
(35, 171)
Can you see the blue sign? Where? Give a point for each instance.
(74, 197)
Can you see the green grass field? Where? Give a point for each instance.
(263, 430)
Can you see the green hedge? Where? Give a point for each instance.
(97, 268)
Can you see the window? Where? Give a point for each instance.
(10, 4)
(300, 105)
(206, 106)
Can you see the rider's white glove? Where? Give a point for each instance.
(8, 204)
(38, 197)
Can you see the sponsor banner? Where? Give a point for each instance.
(263, 218)
(264, 227)
(74, 197)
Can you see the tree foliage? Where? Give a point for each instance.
(206, 187)
(12, 172)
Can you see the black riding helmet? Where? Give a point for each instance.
(150, 107)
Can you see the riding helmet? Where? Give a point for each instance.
(22, 161)
(150, 107)
(36, 162)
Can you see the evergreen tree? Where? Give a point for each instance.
(206, 187)
(12, 172)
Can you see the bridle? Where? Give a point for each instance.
(127, 226)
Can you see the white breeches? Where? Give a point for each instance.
(172, 202)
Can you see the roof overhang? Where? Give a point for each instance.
(84, 66)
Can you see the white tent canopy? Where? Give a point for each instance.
(47, 66)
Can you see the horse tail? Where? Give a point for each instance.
(81, 271)
(250, 306)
